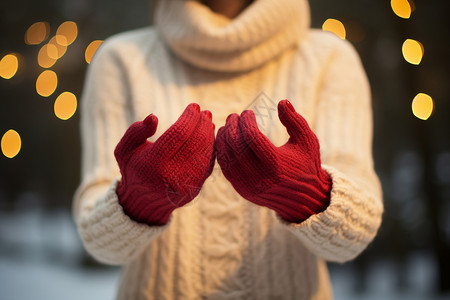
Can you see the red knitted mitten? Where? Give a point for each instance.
(288, 179)
(161, 176)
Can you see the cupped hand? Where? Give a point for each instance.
(161, 176)
(288, 179)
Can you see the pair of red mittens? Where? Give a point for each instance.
(161, 176)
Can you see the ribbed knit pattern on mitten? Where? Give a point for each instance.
(287, 179)
(159, 177)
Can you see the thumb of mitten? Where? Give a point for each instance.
(135, 136)
(297, 127)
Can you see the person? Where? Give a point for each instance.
(287, 193)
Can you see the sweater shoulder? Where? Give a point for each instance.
(328, 47)
(133, 37)
(128, 44)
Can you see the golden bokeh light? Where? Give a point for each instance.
(37, 33)
(11, 143)
(60, 49)
(65, 105)
(52, 51)
(422, 106)
(412, 51)
(90, 50)
(44, 59)
(46, 83)
(401, 8)
(334, 26)
(66, 33)
(9, 65)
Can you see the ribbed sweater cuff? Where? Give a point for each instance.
(346, 226)
(110, 236)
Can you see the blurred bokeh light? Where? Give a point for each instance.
(402, 8)
(9, 65)
(335, 26)
(11, 143)
(90, 50)
(65, 105)
(60, 48)
(45, 54)
(422, 106)
(46, 83)
(66, 33)
(412, 51)
(37, 33)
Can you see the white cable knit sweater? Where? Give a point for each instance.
(222, 246)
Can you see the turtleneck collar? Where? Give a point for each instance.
(211, 41)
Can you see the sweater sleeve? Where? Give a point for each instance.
(108, 234)
(343, 126)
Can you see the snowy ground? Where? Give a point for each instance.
(41, 280)
(40, 256)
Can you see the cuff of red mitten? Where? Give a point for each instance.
(304, 216)
(333, 176)
(160, 217)
(313, 202)
(346, 226)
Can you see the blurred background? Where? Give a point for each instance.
(45, 47)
